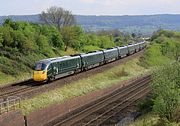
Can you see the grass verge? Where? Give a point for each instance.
(8, 79)
(99, 81)
(151, 119)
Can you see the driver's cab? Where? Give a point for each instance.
(40, 71)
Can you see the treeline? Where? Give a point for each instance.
(26, 37)
(45, 39)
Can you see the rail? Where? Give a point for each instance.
(11, 103)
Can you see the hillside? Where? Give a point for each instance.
(145, 24)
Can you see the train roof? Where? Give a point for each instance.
(130, 45)
(110, 49)
(92, 53)
(65, 58)
(46, 61)
(121, 47)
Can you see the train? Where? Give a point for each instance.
(53, 68)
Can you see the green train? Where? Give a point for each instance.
(50, 69)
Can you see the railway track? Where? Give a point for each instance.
(99, 111)
(16, 92)
(17, 89)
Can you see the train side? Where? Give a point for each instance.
(50, 69)
(110, 54)
(123, 51)
(92, 59)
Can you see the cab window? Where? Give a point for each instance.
(40, 66)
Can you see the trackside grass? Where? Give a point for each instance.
(151, 119)
(98, 81)
(8, 79)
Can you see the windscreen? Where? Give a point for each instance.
(40, 66)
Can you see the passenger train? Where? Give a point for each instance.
(52, 68)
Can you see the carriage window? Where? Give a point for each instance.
(40, 66)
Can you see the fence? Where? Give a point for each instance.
(11, 103)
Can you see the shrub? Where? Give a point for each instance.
(166, 89)
(89, 48)
(154, 57)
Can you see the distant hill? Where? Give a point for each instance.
(145, 24)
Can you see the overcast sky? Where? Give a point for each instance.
(92, 7)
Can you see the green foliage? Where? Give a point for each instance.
(25, 37)
(163, 52)
(166, 88)
(153, 57)
(170, 43)
(146, 104)
(23, 43)
(89, 48)
(1, 38)
(92, 39)
(165, 47)
(7, 38)
(76, 38)
(106, 42)
(53, 35)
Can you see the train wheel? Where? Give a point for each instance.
(52, 78)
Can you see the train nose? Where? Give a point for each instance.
(39, 75)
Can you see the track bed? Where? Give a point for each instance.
(98, 112)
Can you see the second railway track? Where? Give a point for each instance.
(99, 111)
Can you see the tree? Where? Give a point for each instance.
(127, 38)
(1, 37)
(7, 38)
(177, 51)
(68, 36)
(10, 23)
(106, 42)
(133, 35)
(79, 38)
(166, 88)
(58, 17)
(57, 41)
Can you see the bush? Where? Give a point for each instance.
(165, 48)
(90, 48)
(146, 105)
(154, 57)
(166, 88)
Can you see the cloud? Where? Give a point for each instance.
(92, 7)
(88, 1)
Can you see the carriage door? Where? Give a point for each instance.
(55, 69)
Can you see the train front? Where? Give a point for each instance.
(40, 72)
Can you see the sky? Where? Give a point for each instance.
(92, 7)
